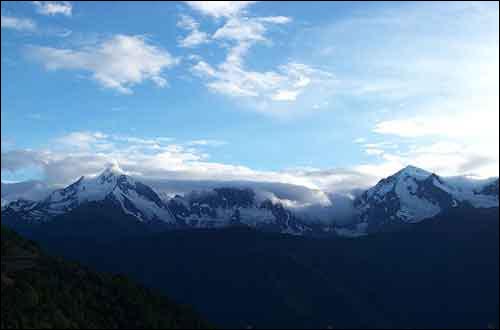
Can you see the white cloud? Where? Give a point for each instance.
(269, 92)
(374, 152)
(283, 85)
(286, 84)
(187, 22)
(441, 89)
(141, 141)
(241, 29)
(119, 63)
(156, 160)
(220, 9)
(462, 143)
(444, 158)
(360, 140)
(195, 37)
(204, 69)
(14, 160)
(87, 153)
(207, 143)
(81, 140)
(275, 19)
(285, 95)
(381, 145)
(451, 124)
(336, 180)
(52, 8)
(19, 24)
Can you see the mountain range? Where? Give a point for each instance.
(409, 196)
(426, 255)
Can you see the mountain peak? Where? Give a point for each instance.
(113, 186)
(110, 174)
(415, 172)
(112, 169)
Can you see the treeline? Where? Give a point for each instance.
(43, 292)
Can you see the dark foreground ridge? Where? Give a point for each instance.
(441, 273)
(43, 292)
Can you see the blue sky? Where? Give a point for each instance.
(322, 94)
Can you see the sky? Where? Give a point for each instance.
(326, 95)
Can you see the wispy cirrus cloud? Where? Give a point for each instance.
(18, 24)
(283, 85)
(15, 160)
(118, 63)
(52, 8)
(81, 140)
(195, 36)
(209, 143)
(262, 90)
(439, 90)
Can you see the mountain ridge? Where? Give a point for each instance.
(39, 291)
(408, 196)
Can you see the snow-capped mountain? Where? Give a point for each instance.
(409, 196)
(490, 189)
(215, 208)
(132, 197)
(221, 207)
(412, 195)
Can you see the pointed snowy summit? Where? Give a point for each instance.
(415, 172)
(413, 194)
(112, 187)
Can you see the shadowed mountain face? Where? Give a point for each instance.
(42, 292)
(490, 189)
(440, 273)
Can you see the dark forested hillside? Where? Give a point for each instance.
(43, 292)
(441, 273)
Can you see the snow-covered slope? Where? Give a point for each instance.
(132, 197)
(215, 208)
(489, 189)
(409, 196)
(29, 190)
(221, 207)
(478, 193)
(412, 195)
